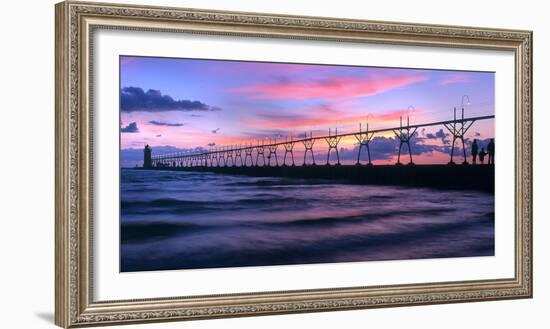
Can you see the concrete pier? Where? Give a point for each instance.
(453, 177)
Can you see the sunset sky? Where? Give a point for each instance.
(179, 104)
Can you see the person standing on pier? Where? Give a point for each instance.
(482, 155)
(491, 151)
(474, 151)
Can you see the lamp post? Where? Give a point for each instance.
(410, 109)
(467, 103)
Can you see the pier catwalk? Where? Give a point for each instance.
(454, 177)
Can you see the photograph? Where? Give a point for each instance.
(227, 163)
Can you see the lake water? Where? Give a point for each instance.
(185, 220)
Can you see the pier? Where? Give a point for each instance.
(260, 159)
(458, 177)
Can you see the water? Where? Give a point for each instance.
(184, 220)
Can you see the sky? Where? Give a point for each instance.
(182, 104)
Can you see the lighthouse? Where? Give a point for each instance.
(147, 163)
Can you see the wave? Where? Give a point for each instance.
(331, 221)
(163, 202)
(381, 197)
(144, 231)
(258, 200)
(178, 220)
(172, 204)
(476, 239)
(281, 182)
(153, 231)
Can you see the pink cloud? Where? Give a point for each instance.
(332, 89)
(454, 78)
(325, 116)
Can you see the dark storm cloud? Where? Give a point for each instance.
(166, 124)
(438, 134)
(131, 128)
(383, 148)
(133, 99)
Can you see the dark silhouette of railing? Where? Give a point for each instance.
(228, 155)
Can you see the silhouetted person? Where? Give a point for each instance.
(491, 151)
(474, 151)
(482, 155)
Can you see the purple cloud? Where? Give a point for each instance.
(131, 128)
(166, 124)
(134, 99)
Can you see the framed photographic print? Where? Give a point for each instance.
(217, 164)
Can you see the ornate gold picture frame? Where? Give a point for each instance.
(76, 22)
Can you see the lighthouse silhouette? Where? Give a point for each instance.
(147, 163)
